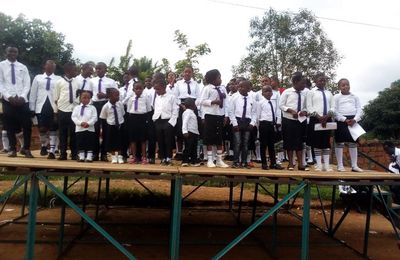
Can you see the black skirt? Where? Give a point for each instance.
(318, 139)
(293, 134)
(85, 140)
(213, 129)
(46, 116)
(342, 133)
(114, 138)
(137, 127)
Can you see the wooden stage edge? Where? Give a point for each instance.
(41, 163)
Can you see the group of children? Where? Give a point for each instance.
(95, 117)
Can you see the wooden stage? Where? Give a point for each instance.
(39, 168)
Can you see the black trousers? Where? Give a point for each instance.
(164, 133)
(151, 136)
(190, 151)
(15, 118)
(267, 139)
(99, 126)
(66, 130)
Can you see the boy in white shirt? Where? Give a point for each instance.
(190, 133)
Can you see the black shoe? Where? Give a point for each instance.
(12, 154)
(276, 167)
(152, 161)
(51, 156)
(74, 157)
(264, 166)
(104, 158)
(236, 165)
(246, 165)
(22, 151)
(28, 154)
(95, 159)
(63, 157)
(43, 151)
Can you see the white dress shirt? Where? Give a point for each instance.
(129, 92)
(166, 107)
(39, 93)
(264, 111)
(151, 95)
(123, 91)
(208, 94)
(22, 80)
(144, 104)
(181, 89)
(347, 105)
(107, 113)
(189, 122)
(289, 100)
(236, 109)
(315, 102)
(89, 116)
(84, 83)
(61, 95)
(105, 84)
(170, 90)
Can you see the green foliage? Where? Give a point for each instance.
(192, 55)
(283, 43)
(144, 65)
(36, 41)
(382, 115)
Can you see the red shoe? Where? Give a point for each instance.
(132, 160)
(251, 164)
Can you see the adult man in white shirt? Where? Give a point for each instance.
(14, 86)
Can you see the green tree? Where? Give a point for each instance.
(283, 43)
(144, 65)
(192, 54)
(382, 115)
(36, 41)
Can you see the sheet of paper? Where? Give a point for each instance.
(301, 118)
(329, 126)
(356, 131)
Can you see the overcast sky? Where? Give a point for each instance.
(101, 31)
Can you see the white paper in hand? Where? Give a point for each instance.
(356, 131)
(301, 118)
(329, 126)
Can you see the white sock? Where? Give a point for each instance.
(219, 156)
(318, 158)
(281, 156)
(4, 140)
(210, 156)
(309, 153)
(20, 137)
(258, 151)
(353, 156)
(52, 141)
(89, 155)
(326, 155)
(81, 155)
(304, 151)
(339, 156)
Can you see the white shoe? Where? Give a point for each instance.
(120, 159)
(114, 159)
(341, 169)
(318, 168)
(329, 169)
(210, 164)
(356, 169)
(221, 164)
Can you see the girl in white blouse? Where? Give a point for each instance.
(348, 112)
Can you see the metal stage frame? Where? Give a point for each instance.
(32, 172)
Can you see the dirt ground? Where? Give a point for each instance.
(207, 227)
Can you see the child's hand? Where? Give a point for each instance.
(84, 125)
(186, 135)
(226, 120)
(216, 102)
(101, 95)
(235, 128)
(350, 122)
(303, 113)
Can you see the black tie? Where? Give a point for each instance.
(273, 113)
(188, 87)
(298, 101)
(116, 115)
(244, 108)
